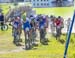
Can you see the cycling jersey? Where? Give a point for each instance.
(26, 26)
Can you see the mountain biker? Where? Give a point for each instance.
(27, 34)
(16, 27)
(42, 30)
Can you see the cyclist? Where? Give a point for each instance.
(17, 30)
(33, 28)
(27, 34)
(58, 24)
(42, 29)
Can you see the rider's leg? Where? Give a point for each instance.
(20, 32)
(27, 40)
(40, 36)
(26, 45)
(45, 40)
(58, 33)
(14, 35)
(34, 38)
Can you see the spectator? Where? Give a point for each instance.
(1, 20)
(58, 28)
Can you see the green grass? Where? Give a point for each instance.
(6, 41)
(5, 8)
(55, 49)
(57, 11)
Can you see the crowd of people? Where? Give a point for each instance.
(30, 25)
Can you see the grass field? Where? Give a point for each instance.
(55, 49)
(65, 12)
(5, 8)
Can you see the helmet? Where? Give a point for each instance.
(59, 16)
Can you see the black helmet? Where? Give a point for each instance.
(51, 16)
(31, 15)
(59, 16)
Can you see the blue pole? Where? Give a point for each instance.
(68, 36)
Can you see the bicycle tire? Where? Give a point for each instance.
(5, 27)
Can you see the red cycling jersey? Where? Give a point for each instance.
(57, 22)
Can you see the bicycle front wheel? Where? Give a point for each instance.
(5, 27)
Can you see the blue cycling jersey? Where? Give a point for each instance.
(26, 25)
(42, 24)
(16, 24)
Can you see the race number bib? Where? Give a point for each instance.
(27, 29)
(45, 24)
(58, 27)
(15, 26)
(42, 27)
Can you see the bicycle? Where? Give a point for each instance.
(58, 33)
(16, 35)
(27, 39)
(3, 26)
